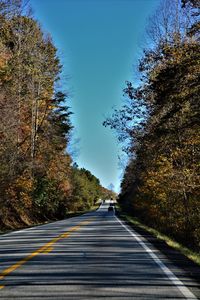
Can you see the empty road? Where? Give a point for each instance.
(93, 256)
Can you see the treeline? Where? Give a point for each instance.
(37, 178)
(159, 126)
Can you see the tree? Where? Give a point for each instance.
(161, 124)
(34, 140)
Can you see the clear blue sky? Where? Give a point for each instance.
(98, 42)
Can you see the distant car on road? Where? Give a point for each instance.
(111, 208)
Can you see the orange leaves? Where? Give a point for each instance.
(65, 186)
(20, 191)
(59, 171)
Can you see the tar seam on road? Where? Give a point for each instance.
(44, 249)
(177, 282)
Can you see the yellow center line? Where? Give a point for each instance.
(47, 250)
(44, 249)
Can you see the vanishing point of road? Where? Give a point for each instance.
(93, 256)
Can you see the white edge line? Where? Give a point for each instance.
(177, 282)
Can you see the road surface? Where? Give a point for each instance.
(93, 256)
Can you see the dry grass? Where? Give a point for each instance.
(194, 256)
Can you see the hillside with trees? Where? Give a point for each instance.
(38, 180)
(159, 126)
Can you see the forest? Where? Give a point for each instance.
(158, 126)
(38, 179)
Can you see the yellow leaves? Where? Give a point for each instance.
(24, 182)
(65, 186)
(3, 62)
(20, 191)
(162, 196)
(157, 179)
(59, 171)
(4, 57)
(51, 107)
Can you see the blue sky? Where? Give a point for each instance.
(98, 42)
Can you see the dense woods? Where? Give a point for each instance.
(159, 126)
(38, 179)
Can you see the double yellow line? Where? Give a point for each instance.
(44, 249)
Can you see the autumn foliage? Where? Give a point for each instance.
(37, 178)
(160, 130)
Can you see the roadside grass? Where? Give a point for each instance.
(72, 214)
(192, 255)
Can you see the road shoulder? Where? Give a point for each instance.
(190, 268)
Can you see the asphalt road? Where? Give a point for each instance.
(94, 256)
